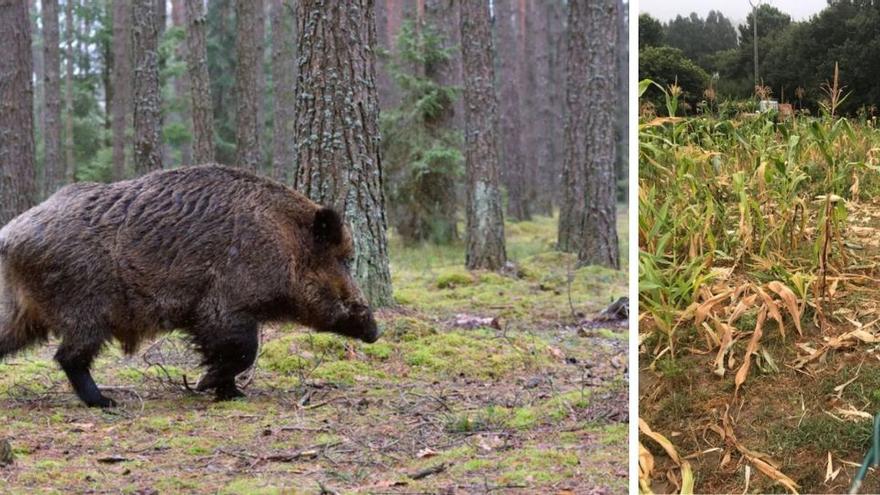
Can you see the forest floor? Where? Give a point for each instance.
(481, 383)
(807, 403)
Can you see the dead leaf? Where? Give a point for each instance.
(790, 300)
(426, 452)
(750, 349)
(556, 352)
(661, 440)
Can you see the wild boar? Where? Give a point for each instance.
(210, 250)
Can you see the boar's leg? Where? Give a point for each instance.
(75, 355)
(229, 348)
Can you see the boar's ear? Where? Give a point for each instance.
(327, 228)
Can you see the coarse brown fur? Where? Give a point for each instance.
(211, 250)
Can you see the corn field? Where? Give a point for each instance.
(751, 228)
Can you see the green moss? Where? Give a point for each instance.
(346, 371)
(453, 277)
(614, 434)
(476, 465)
(524, 418)
(473, 354)
(532, 464)
(380, 350)
(407, 328)
(251, 486)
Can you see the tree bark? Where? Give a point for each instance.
(69, 160)
(181, 83)
(337, 132)
(249, 43)
(509, 82)
(53, 167)
(571, 209)
(485, 221)
(121, 80)
(200, 83)
(17, 178)
(147, 105)
(283, 80)
(596, 74)
(37, 59)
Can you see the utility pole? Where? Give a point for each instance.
(755, 43)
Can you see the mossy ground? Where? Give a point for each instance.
(521, 404)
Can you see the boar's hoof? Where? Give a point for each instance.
(229, 392)
(102, 402)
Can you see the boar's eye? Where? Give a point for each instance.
(327, 227)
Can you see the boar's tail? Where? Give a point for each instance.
(15, 331)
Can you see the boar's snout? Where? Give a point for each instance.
(362, 314)
(357, 322)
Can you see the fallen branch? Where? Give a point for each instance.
(424, 473)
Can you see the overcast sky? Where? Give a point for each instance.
(735, 10)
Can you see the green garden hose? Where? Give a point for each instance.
(872, 458)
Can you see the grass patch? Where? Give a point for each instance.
(820, 433)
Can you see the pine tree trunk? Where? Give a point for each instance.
(248, 15)
(53, 166)
(181, 82)
(200, 83)
(485, 221)
(337, 131)
(571, 234)
(121, 80)
(283, 80)
(599, 76)
(69, 160)
(514, 169)
(147, 105)
(17, 178)
(622, 128)
(37, 54)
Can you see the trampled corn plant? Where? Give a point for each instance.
(747, 196)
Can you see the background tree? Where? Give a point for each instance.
(69, 35)
(510, 23)
(650, 31)
(698, 38)
(147, 105)
(283, 83)
(17, 179)
(199, 83)
(598, 220)
(571, 234)
(249, 48)
(53, 165)
(665, 66)
(121, 81)
(485, 221)
(420, 149)
(336, 89)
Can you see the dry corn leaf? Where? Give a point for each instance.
(742, 306)
(791, 302)
(724, 347)
(743, 371)
(704, 309)
(772, 309)
(687, 479)
(830, 472)
(774, 474)
(646, 463)
(661, 440)
(853, 413)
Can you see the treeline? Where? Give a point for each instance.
(485, 113)
(794, 58)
